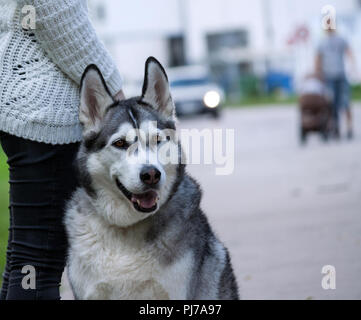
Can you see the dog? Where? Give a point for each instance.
(135, 227)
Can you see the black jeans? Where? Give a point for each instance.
(42, 178)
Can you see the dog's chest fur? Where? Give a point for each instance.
(114, 263)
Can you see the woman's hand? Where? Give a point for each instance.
(119, 95)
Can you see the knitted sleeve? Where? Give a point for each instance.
(65, 32)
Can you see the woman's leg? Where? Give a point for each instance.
(6, 274)
(42, 178)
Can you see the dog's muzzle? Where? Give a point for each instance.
(143, 202)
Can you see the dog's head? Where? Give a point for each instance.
(128, 159)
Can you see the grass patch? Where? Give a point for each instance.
(4, 212)
(261, 101)
(356, 92)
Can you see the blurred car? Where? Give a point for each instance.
(193, 91)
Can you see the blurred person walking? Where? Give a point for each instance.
(40, 71)
(330, 66)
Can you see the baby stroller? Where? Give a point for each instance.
(315, 108)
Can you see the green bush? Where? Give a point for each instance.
(4, 213)
(356, 92)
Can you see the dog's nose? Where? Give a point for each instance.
(150, 175)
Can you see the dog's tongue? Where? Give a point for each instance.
(145, 200)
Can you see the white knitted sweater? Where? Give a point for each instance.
(40, 69)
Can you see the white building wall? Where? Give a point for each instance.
(206, 16)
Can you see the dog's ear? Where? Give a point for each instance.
(95, 98)
(156, 90)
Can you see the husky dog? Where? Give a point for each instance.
(135, 228)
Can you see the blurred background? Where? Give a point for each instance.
(256, 51)
(288, 209)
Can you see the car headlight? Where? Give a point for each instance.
(212, 99)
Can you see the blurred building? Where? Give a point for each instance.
(236, 38)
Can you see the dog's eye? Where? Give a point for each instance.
(120, 144)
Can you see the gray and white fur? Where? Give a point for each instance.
(136, 231)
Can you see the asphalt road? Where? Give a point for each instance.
(286, 210)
